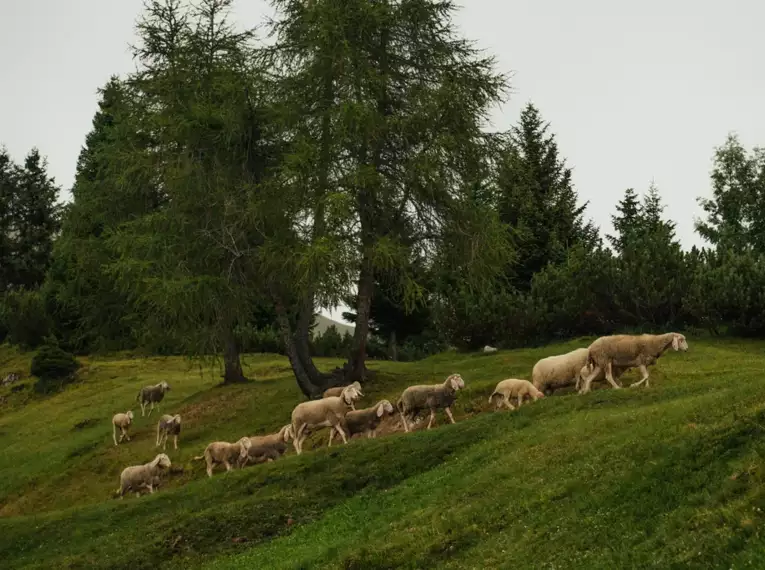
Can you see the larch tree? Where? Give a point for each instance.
(399, 107)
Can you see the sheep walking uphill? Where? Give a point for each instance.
(168, 425)
(364, 421)
(146, 476)
(123, 422)
(429, 397)
(337, 390)
(514, 388)
(327, 412)
(267, 447)
(224, 453)
(628, 351)
(152, 395)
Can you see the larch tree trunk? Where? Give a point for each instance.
(303, 380)
(232, 363)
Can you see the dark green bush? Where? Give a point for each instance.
(24, 319)
(54, 369)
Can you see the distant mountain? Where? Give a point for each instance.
(323, 323)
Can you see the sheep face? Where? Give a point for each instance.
(165, 386)
(385, 407)
(244, 444)
(129, 415)
(351, 393)
(286, 433)
(162, 460)
(456, 382)
(679, 342)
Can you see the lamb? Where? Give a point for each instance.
(327, 412)
(151, 395)
(168, 425)
(431, 397)
(629, 351)
(267, 447)
(123, 422)
(514, 388)
(227, 454)
(137, 477)
(337, 390)
(364, 421)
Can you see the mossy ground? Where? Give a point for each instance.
(666, 477)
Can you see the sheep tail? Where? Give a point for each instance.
(198, 457)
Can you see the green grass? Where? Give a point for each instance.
(666, 477)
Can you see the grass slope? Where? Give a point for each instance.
(666, 477)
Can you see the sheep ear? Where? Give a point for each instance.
(380, 410)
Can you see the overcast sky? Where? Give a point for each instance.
(634, 91)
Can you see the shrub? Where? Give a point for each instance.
(24, 319)
(54, 369)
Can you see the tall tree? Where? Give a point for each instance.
(537, 200)
(90, 311)
(29, 220)
(736, 211)
(402, 105)
(193, 265)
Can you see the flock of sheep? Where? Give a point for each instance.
(606, 359)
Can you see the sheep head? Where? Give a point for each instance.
(455, 381)
(351, 393)
(129, 415)
(162, 461)
(176, 419)
(679, 342)
(165, 386)
(244, 447)
(384, 407)
(286, 433)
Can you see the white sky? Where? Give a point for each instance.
(633, 91)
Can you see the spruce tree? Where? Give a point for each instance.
(537, 200)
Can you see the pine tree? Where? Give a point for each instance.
(8, 195)
(536, 198)
(626, 222)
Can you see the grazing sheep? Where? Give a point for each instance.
(152, 395)
(327, 412)
(429, 397)
(364, 421)
(337, 390)
(489, 349)
(267, 447)
(137, 477)
(168, 425)
(559, 371)
(514, 388)
(628, 351)
(224, 453)
(123, 422)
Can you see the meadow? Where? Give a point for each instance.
(665, 477)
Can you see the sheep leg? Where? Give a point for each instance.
(297, 441)
(227, 465)
(520, 401)
(588, 381)
(175, 441)
(127, 435)
(342, 433)
(143, 408)
(152, 408)
(644, 374)
(403, 419)
(331, 435)
(610, 376)
(209, 469)
(432, 416)
(114, 434)
(449, 413)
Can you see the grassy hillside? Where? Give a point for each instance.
(665, 477)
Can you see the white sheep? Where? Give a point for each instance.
(337, 390)
(558, 371)
(327, 412)
(514, 388)
(146, 476)
(168, 425)
(121, 421)
(628, 351)
(224, 453)
(364, 421)
(268, 447)
(151, 395)
(429, 397)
